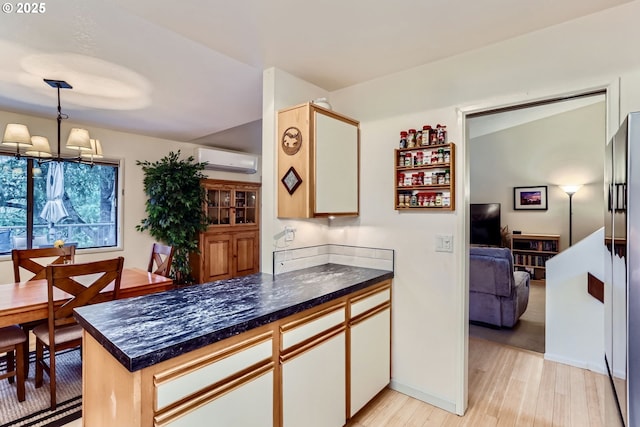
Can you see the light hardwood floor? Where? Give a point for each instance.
(507, 387)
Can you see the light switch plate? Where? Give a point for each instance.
(444, 243)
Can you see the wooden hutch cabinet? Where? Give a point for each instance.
(230, 246)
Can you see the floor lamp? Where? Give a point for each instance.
(570, 190)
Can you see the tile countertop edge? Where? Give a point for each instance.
(136, 363)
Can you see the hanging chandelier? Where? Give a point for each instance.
(37, 147)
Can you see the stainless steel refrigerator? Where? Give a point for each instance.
(622, 275)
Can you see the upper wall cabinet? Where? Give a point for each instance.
(318, 163)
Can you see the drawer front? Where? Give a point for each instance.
(250, 405)
(203, 375)
(359, 306)
(302, 329)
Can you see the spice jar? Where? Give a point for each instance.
(440, 155)
(426, 134)
(438, 199)
(421, 178)
(447, 176)
(433, 137)
(434, 156)
(411, 138)
(418, 138)
(403, 139)
(414, 200)
(407, 159)
(400, 179)
(447, 156)
(441, 131)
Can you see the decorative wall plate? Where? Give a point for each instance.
(291, 180)
(291, 140)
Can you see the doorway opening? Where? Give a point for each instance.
(539, 147)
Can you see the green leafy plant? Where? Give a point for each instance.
(174, 208)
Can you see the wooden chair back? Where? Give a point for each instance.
(24, 258)
(61, 330)
(161, 256)
(68, 278)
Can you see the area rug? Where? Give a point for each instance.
(528, 333)
(34, 411)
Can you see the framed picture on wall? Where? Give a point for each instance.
(530, 198)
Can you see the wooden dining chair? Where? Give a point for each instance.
(12, 342)
(25, 259)
(61, 331)
(161, 256)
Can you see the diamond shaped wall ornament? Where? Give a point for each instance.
(291, 180)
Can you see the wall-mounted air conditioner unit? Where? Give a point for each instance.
(230, 161)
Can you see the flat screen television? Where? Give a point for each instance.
(485, 224)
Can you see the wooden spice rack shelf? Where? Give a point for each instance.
(416, 169)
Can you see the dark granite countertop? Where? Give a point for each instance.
(142, 331)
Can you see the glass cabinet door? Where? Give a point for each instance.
(218, 206)
(245, 204)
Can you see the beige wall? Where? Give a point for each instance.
(128, 148)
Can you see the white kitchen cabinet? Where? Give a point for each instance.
(230, 408)
(318, 163)
(313, 386)
(217, 387)
(211, 383)
(370, 362)
(314, 368)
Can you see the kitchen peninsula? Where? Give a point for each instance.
(306, 347)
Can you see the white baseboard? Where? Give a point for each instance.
(425, 397)
(595, 367)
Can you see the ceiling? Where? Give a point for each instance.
(191, 70)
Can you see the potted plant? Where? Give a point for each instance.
(174, 208)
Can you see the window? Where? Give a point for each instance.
(41, 202)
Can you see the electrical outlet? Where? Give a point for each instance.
(444, 243)
(289, 234)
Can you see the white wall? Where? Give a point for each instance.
(129, 148)
(564, 148)
(577, 337)
(430, 293)
(281, 90)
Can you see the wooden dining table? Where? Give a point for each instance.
(27, 301)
